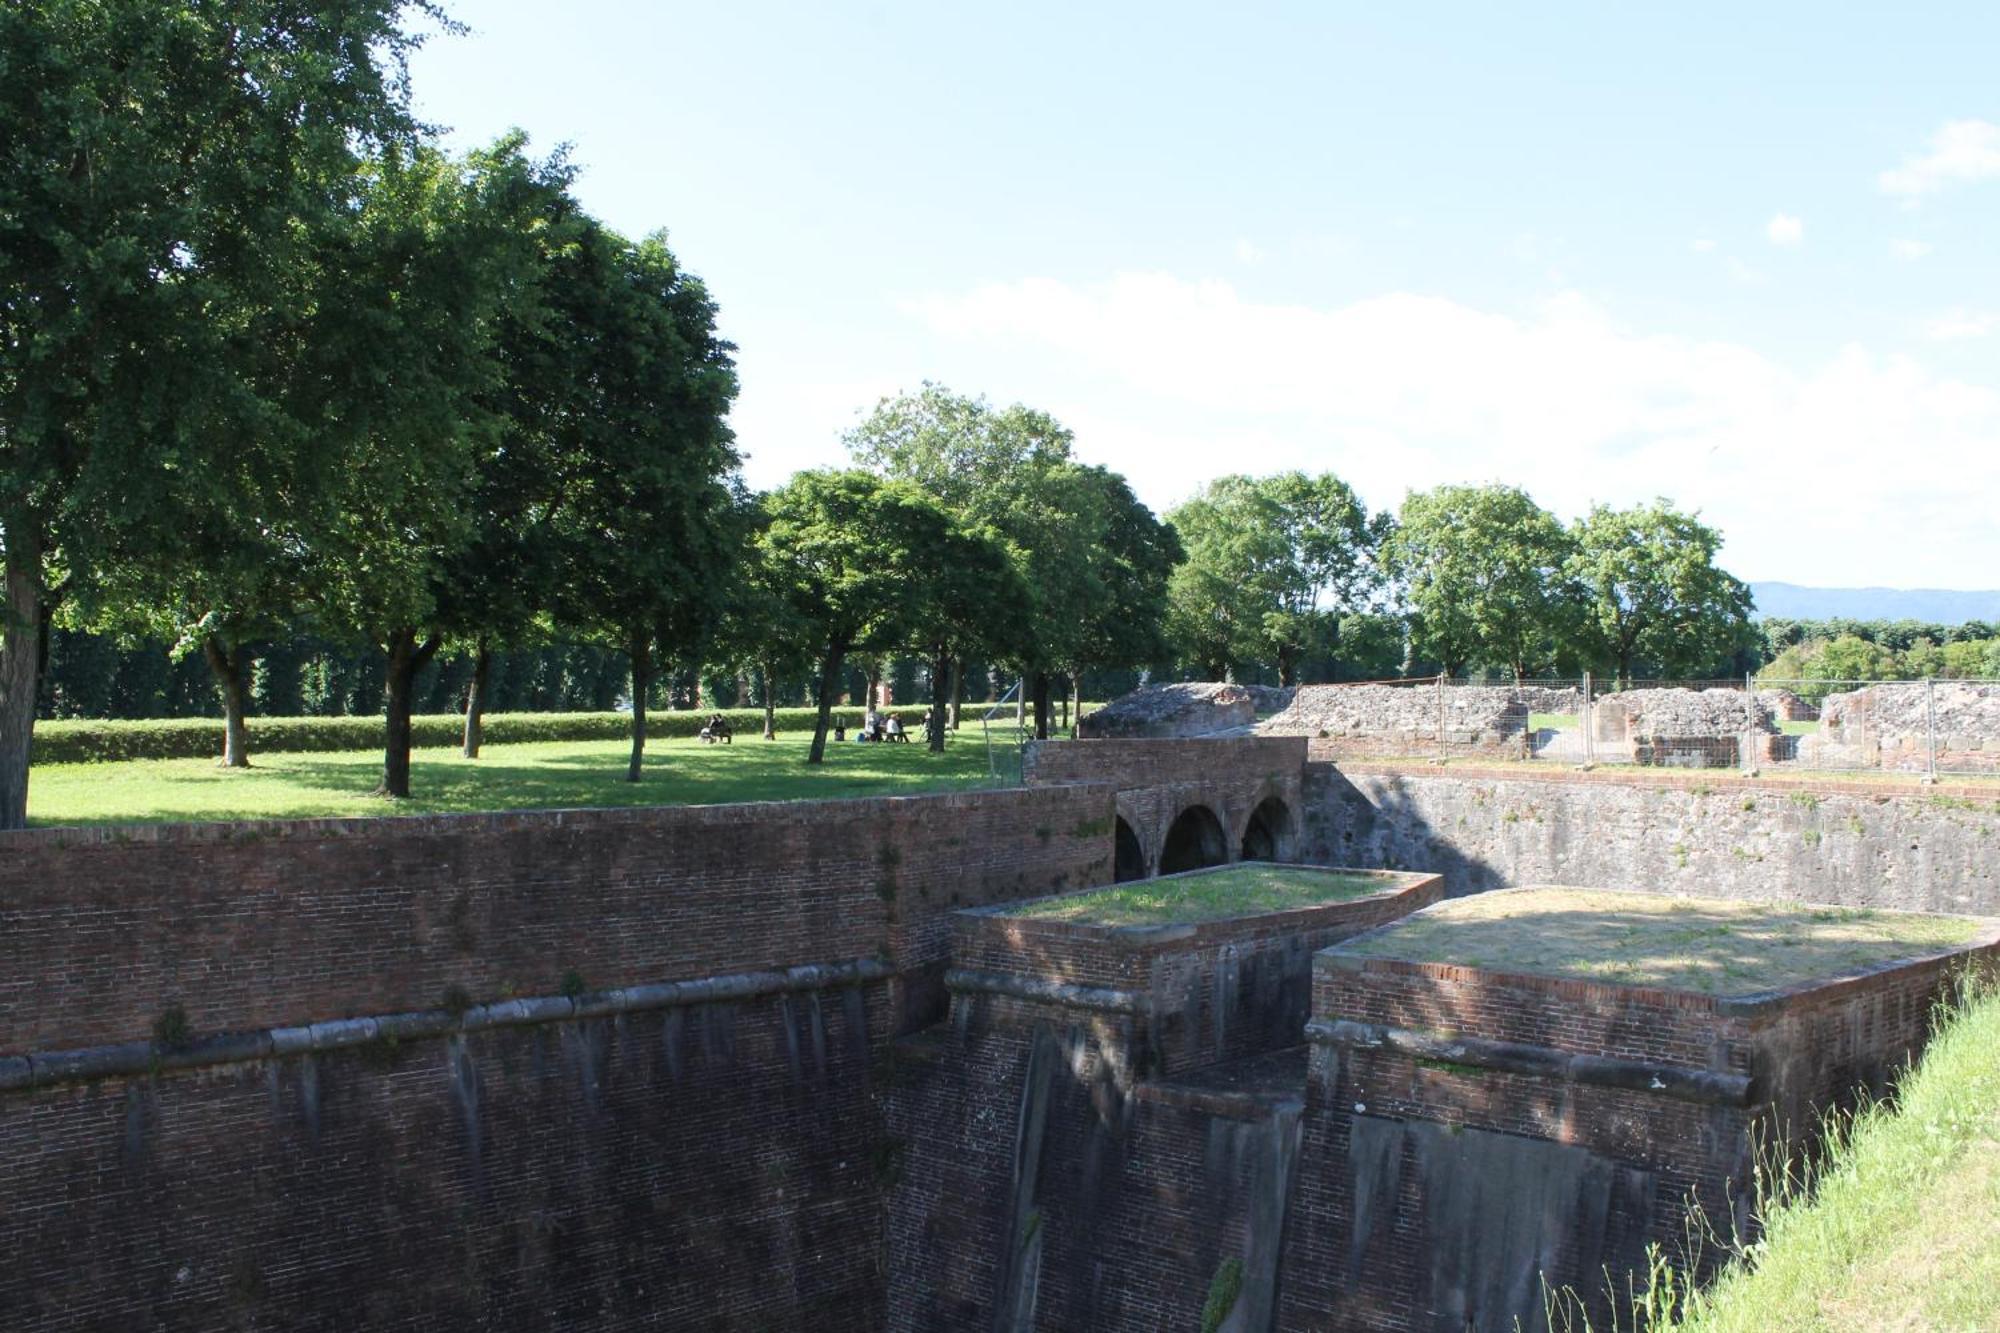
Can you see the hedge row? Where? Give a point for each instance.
(83, 742)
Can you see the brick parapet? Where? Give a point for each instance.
(264, 925)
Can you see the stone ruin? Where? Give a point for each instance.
(1892, 726)
(1786, 706)
(1196, 708)
(1683, 728)
(1402, 719)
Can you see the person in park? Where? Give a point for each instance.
(893, 729)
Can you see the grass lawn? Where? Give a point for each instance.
(1551, 721)
(1713, 945)
(1903, 1228)
(1799, 728)
(1239, 890)
(529, 776)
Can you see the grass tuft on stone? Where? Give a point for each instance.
(1709, 945)
(1249, 889)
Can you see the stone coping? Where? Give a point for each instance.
(1418, 888)
(223, 832)
(1982, 950)
(1715, 780)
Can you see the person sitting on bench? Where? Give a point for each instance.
(892, 730)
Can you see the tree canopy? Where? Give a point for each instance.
(1650, 591)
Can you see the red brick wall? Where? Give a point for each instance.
(254, 925)
(713, 1168)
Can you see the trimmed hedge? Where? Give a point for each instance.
(85, 741)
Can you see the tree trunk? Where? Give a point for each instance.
(20, 659)
(957, 690)
(1021, 705)
(1041, 705)
(874, 685)
(1075, 701)
(1288, 667)
(1062, 717)
(640, 647)
(231, 681)
(829, 690)
(941, 687)
(406, 658)
(770, 703)
(475, 699)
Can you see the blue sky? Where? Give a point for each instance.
(1745, 259)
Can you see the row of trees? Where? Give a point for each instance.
(273, 363)
(1279, 568)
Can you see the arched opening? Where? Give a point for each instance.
(1194, 840)
(1268, 835)
(1129, 860)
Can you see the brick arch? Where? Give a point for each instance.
(1195, 839)
(1269, 830)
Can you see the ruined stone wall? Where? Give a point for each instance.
(1830, 842)
(597, 1069)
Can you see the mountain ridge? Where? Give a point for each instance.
(1943, 606)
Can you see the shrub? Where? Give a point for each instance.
(87, 741)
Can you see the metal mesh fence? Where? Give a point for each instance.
(1926, 728)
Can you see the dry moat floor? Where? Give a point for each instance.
(1715, 946)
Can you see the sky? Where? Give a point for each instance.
(1743, 257)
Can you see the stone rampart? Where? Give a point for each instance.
(1830, 842)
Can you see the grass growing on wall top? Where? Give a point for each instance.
(526, 776)
(1717, 946)
(1239, 890)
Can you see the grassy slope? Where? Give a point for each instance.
(1903, 1231)
(1241, 890)
(536, 775)
(1715, 946)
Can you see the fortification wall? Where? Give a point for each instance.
(1466, 1130)
(265, 924)
(607, 1068)
(1831, 842)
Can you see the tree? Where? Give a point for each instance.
(1482, 570)
(975, 602)
(1132, 555)
(645, 457)
(990, 468)
(1272, 564)
(169, 169)
(759, 624)
(851, 553)
(1651, 591)
(405, 364)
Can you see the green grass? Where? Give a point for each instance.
(1798, 728)
(1715, 946)
(1551, 721)
(1901, 1229)
(1239, 890)
(531, 775)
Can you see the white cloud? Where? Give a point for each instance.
(1784, 229)
(1248, 251)
(1908, 249)
(1953, 325)
(1743, 273)
(1175, 381)
(1702, 245)
(1961, 150)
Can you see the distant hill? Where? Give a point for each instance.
(1943, 606)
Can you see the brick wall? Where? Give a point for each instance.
(715, 1168)
(1430, 1188)
(255, 925)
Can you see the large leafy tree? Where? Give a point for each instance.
(1651, 591)
(1482, 569)
(852, 555)
(648, 461)
(168, 165)
(1090, 559)
(1272, 564)
(440, 253)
